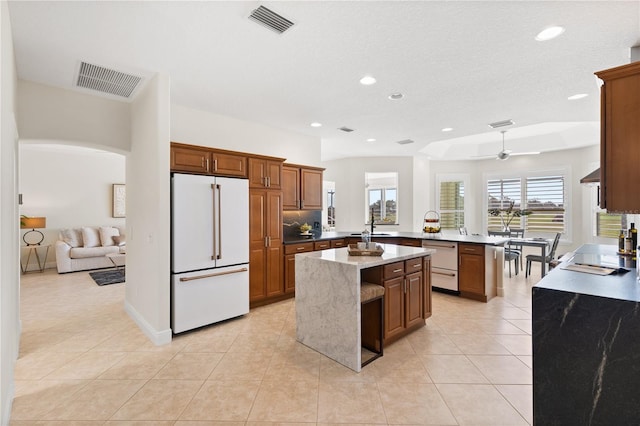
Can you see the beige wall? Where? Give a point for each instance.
(9, 246)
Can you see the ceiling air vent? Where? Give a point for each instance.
(105, 80)
(405, 142)
(345, 129)
(501, 124)
(270, 19)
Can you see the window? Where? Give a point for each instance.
(543, 196)
(608, 225)
(381, 197)
(451, 204)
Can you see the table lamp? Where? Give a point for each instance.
(30, 238)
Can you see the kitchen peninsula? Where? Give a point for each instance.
(586, 342)
(328, 309)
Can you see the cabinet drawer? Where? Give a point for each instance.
(393, 270)
(321, 245)
(444, 278)
(298, 248)
(413, 265)
(471, 249)
(338, 243)
(446, 255)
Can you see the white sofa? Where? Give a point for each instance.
(80, 249)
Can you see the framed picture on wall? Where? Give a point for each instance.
(119, 198)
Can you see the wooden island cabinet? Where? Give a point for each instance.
(619, 136)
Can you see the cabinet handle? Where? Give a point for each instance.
(443, 273)
(300, 248)
(397, 270)
(266, 241)
(437, 246)
(469, 249)
(215, 164)
(417, 265)
(405, 286)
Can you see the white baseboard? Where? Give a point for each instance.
(8, 402)
(157, 337)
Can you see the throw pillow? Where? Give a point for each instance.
(91, 237)
(73, 237)
(106, 235)
(119, 240)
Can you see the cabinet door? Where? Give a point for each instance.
(426, 287)
(413, 298)
(190, 160)
(291, 188)
(257, 245)
(471, 274)
(311, 189)
(338, 243)
(229, 164)
(274, 250)
(393, 307)
(289, 273)
(265, 173)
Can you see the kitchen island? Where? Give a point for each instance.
(328, 309)
(586, 342)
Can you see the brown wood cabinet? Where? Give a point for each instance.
(265, 245)
(290, 251)
(203, 160)
(228, 164)
(619, 138)
(471, 279)
(265, 173)
(190, 159)
(302, 187)
(404, 297)
(426, 289)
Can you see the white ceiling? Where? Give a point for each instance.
(459, 64)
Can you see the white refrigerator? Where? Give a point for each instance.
(209, 250)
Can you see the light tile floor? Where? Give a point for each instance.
(84, 362)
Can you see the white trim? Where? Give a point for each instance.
(157, 337)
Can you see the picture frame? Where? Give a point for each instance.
(119, 196)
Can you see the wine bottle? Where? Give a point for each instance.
(621, 241)
(633, 233)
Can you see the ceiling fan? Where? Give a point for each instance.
(504, 154)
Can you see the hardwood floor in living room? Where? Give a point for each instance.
(83, 361)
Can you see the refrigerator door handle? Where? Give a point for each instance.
(218, 232)
(213, 220)
(217, 274)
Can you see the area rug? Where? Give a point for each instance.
(112, 276)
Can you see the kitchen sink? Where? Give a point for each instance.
(375, 233)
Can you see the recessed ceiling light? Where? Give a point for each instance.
(447, 129)
(316, 124)
(578, 96)
(549, 33)
(367, 80)
(371, 140)
(396, 96)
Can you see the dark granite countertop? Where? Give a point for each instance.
(618, 286)
(474, 239)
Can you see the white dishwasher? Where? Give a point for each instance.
(444, 264)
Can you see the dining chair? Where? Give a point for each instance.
(509, 253)
(517, 233)
(538, 258)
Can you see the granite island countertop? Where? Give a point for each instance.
(473, 239)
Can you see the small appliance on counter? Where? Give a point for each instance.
(209, 250)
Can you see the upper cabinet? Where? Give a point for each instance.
(190, 159)
(619, 138)
(265, 172)
(301, 187)
(198, 159)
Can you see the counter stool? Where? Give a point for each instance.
(372, 321)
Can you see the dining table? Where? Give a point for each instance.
(541, 243)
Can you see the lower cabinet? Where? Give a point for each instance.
(471, 279)
(404, 296)
(426, 287)
(290, 251)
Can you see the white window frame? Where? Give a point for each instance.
(522, 175)
(369, 187)
(455, 177)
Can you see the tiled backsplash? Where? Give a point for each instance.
(294, 219)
